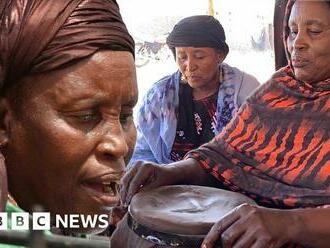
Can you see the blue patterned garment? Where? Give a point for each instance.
(157, 116)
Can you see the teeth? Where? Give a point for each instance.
(110, 188)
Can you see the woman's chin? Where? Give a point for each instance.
(302, 75)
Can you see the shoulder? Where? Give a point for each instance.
(274, 85)
(245, 83)
(161, 98)
(241, 76)
(164, 87)
(248, 86)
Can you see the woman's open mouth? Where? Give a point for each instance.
(104, 192)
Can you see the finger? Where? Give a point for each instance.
(143, 176)
(246, 240)
(125, 182)
(240, 229)
(233, 233)
(218, 228)
(261, 243)
(117, 213)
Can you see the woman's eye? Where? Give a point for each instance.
(85, 117)
(88, 117)
(293, 33)
(181, 58)
(126, 119)
(315, 32)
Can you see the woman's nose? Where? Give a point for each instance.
(112, 143)
(300, 41)
(191, 65)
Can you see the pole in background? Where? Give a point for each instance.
(211, 8)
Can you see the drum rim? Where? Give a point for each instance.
(163, 238)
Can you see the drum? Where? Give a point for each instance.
(180, 215)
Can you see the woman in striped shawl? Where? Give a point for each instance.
(276, 150)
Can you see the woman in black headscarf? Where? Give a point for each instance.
(68, 87)
(188, 108)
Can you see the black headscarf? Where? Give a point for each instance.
(198, 31)
(42, 35)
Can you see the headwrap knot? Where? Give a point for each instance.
(41, 35)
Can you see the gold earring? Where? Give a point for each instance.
(3, 139)
(183, 79)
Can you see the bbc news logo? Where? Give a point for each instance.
(41, 221)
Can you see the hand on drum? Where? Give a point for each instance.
(146, 176)
(251, 227)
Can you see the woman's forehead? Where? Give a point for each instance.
(105, 75)
(310, 12)
(194, 49)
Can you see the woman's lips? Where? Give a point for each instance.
(299, 62)
(106, 192)
(193, 77)
(102, 187)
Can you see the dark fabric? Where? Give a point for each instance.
(196, 122)
(279, 13)
(185, 115)
(198, 31)
(41, 35)
(204, 117)
(286, 29)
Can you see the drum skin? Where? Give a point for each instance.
(184, 209)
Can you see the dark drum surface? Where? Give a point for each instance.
(180, 215)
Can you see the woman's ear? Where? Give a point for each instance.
(221, 56)
(4, 122)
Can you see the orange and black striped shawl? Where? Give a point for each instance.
(277, 148)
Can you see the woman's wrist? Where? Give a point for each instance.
(310, 227)
(186, 171)
(294, 224)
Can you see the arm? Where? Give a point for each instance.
(147, 176)
(142, 150)
(156, 121)
(311, 227)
